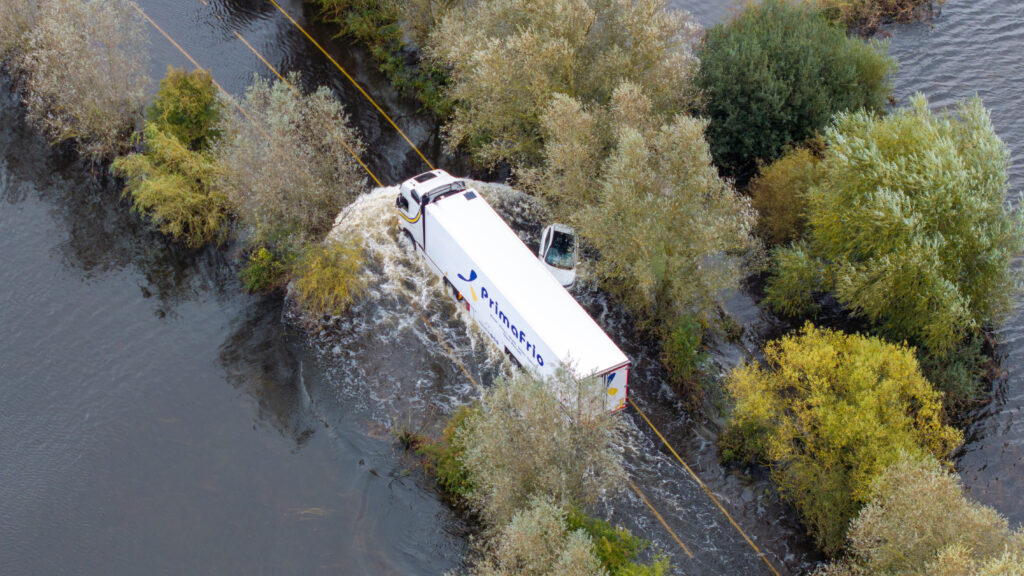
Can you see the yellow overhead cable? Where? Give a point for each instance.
(659, 517)
(436, 333)
(706, 489)
(340, 139)
(353, 81)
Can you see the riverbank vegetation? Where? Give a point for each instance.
(81, 67)
(828, 412)
(775, 74)
(528, 459)
(643, 134)
(868, 15)
(908, 229)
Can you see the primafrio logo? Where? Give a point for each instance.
(503, 319)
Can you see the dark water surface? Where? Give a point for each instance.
(155, 420)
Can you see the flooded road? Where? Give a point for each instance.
(157, 420)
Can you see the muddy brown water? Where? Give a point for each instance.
(154, 419)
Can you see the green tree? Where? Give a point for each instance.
(508, 58)
(84, 67)
(829, 412)
(173, 186)
(187, 107)
(286, 165)
(909, 224)
(672, 235)
(919, 521)
(775, 74)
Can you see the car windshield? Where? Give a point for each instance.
(561, 254)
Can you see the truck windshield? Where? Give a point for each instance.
(561, 254)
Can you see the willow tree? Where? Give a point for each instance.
(286, 165)
(508, 58)
(909, 226)
(672, 235)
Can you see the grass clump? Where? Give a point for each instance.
(775, 74)
(264, 271)
(83, 70)
(868, 15)
(327, 277)
(829, 413)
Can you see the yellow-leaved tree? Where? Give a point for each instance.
(829, 412)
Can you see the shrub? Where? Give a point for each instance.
(187, 107)
(869, 14)
(378, 24)
(444, 457)
(910, 223)
(84, 68)
(16, 21)
(327, 277)
(508, 58)
(264, 272)
(173, 186)
(779, 194)
(918, 521)
(795, 278)
(672, 235)
(775, 74)
(681, 352)
(537, 542)
(523, 443)
(830, 412)
(616, 548)
(286, 167)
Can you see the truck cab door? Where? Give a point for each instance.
(410, 210)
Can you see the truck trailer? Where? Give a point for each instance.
(524, 310)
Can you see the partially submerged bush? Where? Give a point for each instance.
(84, 72)
(910, 226)
(286, 167)
(775, 74)
(382, 25)
(522, 444)
(327, 277)
(681, 352)
(508, 58)
(616, 547)
(16, 20)
(536, 541)
(918, 521)
(867, 15)
(264, 272)
(187, 107)
(779, 194)
(444, 457)
(830, 412)
(174, 187)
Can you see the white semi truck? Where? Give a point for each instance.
(507, 290)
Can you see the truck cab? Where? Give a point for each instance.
(414, 195)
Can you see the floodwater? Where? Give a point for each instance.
(155, 419)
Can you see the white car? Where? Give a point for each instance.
(558, 253)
